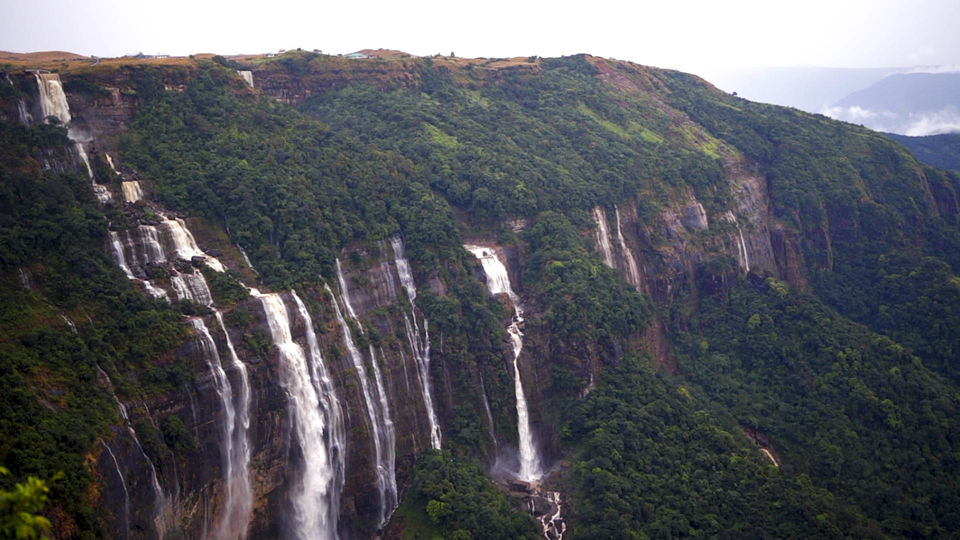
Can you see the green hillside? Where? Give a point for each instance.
(846, 375)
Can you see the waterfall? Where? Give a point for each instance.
(118, 254)
(208, 349)
(131, 191)
(312, 495)
(185, 246)
(123, 484)
(53, 102)
(345, 292)
(25, 117)
(235, 522)
(336, 437)
(160, 499)
(246, 76)
(743, 258)
(192, 286)
(633, 272)
(602, 235)
(246, 259)
(554, 527)
(380, 425)
(147, 238)
(419, 346)
(743, 250)
(498, 282)
(486, 409)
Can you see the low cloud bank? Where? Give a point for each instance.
(946, 120)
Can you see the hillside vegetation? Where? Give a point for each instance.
(847, 379)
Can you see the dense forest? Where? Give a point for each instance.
(814, 393)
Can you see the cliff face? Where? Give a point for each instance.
(227, 445)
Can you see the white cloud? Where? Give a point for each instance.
(946, 120)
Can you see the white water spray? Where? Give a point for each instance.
(53, 103)
(336, 437)
(311, 496)
(185, 246)
(419, 345)
(498, 282)
(211, 356)
(237, 518)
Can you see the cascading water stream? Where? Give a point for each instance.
(235, 522)
(247, 76)
(419, 346)
(53, 103)
(123, 484)
(336, 437)
(742, 256)
(633, 272)
(131, 191)
(184, 245)
(192, 286)
(602, 235)
(160, 499)
(235, 463)
(743, 250)
(498, 282)
(486, 409)
(380, 425)
(312, 495)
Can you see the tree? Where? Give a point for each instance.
(19, 507)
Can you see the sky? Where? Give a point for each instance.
(690, 35)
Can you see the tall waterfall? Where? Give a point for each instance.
(419, 345)
(236, 519)
(381, 426)
(312, 497)
(336, 437)
(498, 282)
(602, 235)
(232, 470)
(53, 102)
(633, 272)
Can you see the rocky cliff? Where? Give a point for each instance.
(324, 392)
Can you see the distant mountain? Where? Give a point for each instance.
(941, 151)
(906, 103)
(806, 88)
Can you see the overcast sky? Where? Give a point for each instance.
(696, 36)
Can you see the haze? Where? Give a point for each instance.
(696, 36)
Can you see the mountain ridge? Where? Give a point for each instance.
(634, 210)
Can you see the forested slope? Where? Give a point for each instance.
(770, 350)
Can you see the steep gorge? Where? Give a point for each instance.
(303, 410)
